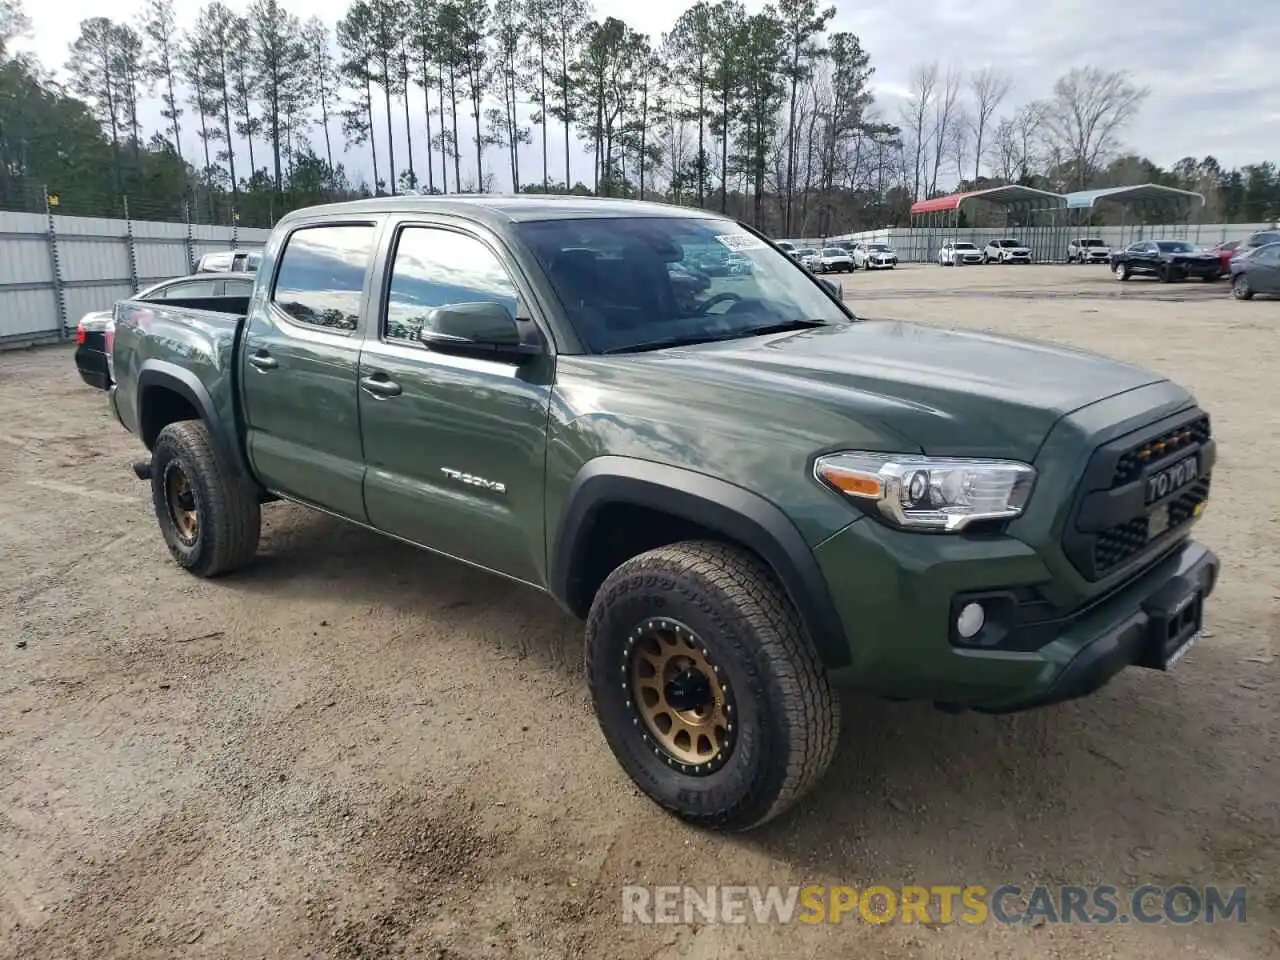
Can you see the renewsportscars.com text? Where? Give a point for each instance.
(971, 904)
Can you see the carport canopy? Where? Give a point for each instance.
(1144, 195)
(1010, 195)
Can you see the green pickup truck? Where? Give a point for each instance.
(749, 494)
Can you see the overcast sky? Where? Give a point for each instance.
(1214, 77)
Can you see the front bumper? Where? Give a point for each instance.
(1199, 268)
(897, 594)
(878, 263)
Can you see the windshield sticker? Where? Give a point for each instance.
(740, 241)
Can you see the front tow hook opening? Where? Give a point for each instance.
(142, 469)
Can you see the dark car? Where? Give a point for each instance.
(1256, 271)
(1167, 260)
(91, 331)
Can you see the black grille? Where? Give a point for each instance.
(1130, 465)
(1112, 523)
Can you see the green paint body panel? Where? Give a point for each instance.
(751, 413)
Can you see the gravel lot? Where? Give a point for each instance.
(357, 750)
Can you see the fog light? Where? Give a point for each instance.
(970, 621)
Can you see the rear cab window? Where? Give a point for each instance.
(320, 279)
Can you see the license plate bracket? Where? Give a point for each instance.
(1175, 618)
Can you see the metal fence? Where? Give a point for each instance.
(920, 244)
(54, 269)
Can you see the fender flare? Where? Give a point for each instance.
(161, 374)
(729, 510)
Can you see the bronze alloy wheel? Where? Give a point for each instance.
(181, 499)
(680, 698)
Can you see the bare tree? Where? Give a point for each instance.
(989, 88)
(960, 140)
(1083, 119)
(915, 119)
(1012, 151)
(944, 118)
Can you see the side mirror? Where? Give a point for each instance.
(833, 288)
(479, 329)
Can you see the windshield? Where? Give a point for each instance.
(806, 251)
(630, 282)
(835, 252)
(1010, 243)
(964, 245)
(878, 247)
(1175, 246)
(1092, 242)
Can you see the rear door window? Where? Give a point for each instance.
(320, 281)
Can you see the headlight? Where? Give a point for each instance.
(930, 493)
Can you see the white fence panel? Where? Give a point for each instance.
(53, 270)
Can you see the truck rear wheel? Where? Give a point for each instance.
(708, 691)
(209, 517)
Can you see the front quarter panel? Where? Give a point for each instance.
(764, 443)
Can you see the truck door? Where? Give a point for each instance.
(454, 446)
(301, 354)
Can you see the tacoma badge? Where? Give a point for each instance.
(474, 480)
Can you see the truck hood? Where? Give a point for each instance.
(950, 392)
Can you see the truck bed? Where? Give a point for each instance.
(193, 339)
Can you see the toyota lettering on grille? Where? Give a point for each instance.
(1172, 478)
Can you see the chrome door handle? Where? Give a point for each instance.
(264, 361)
(380, 387)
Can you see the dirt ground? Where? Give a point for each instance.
(355, 750)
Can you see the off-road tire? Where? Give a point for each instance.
(230, 516)
(788, 713)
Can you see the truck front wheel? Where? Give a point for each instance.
(708, 691)
(209, 517)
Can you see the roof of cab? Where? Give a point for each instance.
(497, 209)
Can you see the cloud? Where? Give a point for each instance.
(1214, 78)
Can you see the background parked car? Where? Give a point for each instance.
(1225, 251)
(1168, 260)
(835, 260)
(1006, 250)
(230, 261)
(809, 257)
(1261, 239)
(874, 256)
(958, 251)
(1088, 250)
(91, 331)
(1256, 271)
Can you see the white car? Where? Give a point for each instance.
(835, 260)
(874, 256)
(810, 258)
(958, 252)
(1088, 250)
(1006, 250)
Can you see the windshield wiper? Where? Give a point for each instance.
(691, 339)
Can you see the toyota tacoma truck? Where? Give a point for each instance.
(751, 495)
